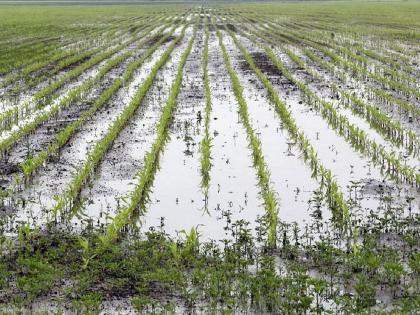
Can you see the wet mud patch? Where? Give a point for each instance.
(211, 27)
(6, 211)
(231, 27)
(263, 63)
(157, 38)
(8, 168)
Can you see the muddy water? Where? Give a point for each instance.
(233, 193)
(116, 176)
(360, 87)
(74, 154)
(44, 134)
(287, 169)
(356, 177)
(176, 194)
(26, 99)
(323, 91)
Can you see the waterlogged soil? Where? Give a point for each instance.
(232, 193)
(116, 178)
(40, 195)
(177, 201)
(355, 175)
(294, 195)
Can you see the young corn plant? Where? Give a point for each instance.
(206, 142)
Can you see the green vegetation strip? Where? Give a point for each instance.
(267, 193)
(206, 142)
(335, 199)
(67, 199)
(355, 136)
(30, 165)
(145, 177)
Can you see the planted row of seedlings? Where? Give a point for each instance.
(206, 142)
(346, 53)
(360, 72)
(77, 93)
(268, 195)
(335, 199)
(411, 111)
(30, 165)
(69, 145)
(299, 199)
(179, 165)
(233, 191)
(371, 60)
(67, 200)
(139, 196)
(46, 96)
(77, 50)
(115, 177)
(69, 54)
(36, 75)
(390, 129)
(353, 134)
(380, 95)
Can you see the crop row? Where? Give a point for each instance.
(66, 200)
(380, 95)
(332, 193)
(206, 142)
(263, 174)
(297, 39)
(144, 179)
(391, 130)
(357, 70)
(30, 165)
(45, 96)
(43, 114)
(356, 137)
(66, 58)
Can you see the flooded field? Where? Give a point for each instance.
(199, 159)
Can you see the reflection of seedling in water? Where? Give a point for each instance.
(227, 217)
(297, 191)
(289, 148)
(409, 201)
